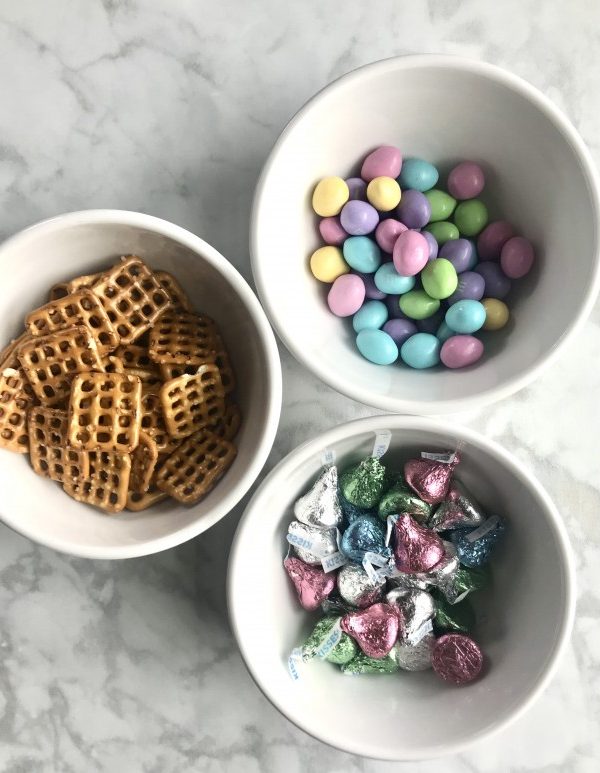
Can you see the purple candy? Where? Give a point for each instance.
(387, 232)
(471, 286)
(493, 237)
(358, 188)
(400, 330)
(332, 231)
(371, 290)
(459, 252)
(433, 245)
(393, 304)
(414, 209)
(431, 324)
(497, 284)
(359, 218)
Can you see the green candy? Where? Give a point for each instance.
(416, 304)
(400, 499)
(442, 205)
(443, 231)
(465, 581)
(362, 664)
(362, 485)
(439, 278)
(458, 617)
(343, 651)
(471, 217)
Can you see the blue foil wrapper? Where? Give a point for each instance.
(474, 546)
(365, 534)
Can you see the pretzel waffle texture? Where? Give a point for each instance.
(191, 403)
(14, 403)
(143, 462)
(183, 339)
(107, 484)
(51, 456)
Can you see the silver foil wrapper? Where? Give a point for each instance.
(440, 576)
(458, 511)
(323, 542)
(417, 608)
(356, 588)
(320, 506)
(414, 657)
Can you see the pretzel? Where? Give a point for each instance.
(219, 357)
(59, 290)
(51, 362)
(183, 339)
(153, 420)
(132, 297)
(137, 362)
(174, 290)
(143, 462)
(80, 308)
(104, 412)
(50, 454)
(228, 425)
(190, 403)
(82, 282)
(14, 403)
(8, 355)
(195, 467)
(107, 484)
(137, 502)
(113, 364)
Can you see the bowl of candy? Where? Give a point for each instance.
(410, 228)
(400, 588)
(140, 384)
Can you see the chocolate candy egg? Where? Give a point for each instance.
(493, 237)
(439, 278)
(375, 629)
(443, 231)
(417, 304)
(389, 281)
(400, 499)
(497, 284)
(421, 351)
(416, 548)
(414, 209)
(332, 232)
(371, 316)
(364, 535)
(329, 196)
(362, 254)
(430, 479)
(327, 263)
(441, 203)
(414, 657)
(399, 330)
(393, 304)
(457, 658)
(320, 506)
(384, 161)
(363, 664)
(377, 346)
(471, 286)
(466, 316)
(359, 218)
(346, 295)
(383, 193)
(470, 217)
(517, 257)
(411, 253)
(312, 584)
(474, 547)
(356, 588)
(418, 174)
(459, 511)
(496, 314)
(466, 180)
(363, 483)
(371, 291)
(387, 232)
(443, 333)
(310, 543)
(433, 245)
(459, 351)
(357, 188)
(461, 253)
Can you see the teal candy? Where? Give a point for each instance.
(362, 254)
(389, 281)
(377, 346)
(371, 316)
(444, 333)
(418, 174)
(466, 316)
(420, 351)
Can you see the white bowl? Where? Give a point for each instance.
(540, 176)
(529, 609)
(84, 242)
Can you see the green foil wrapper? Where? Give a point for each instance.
(458, 617)
(362, 664)
(465, 581)
(343, 651)
(400, 499)
(362, 485)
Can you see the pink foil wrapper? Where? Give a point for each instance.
(429, 479)
(416, 548)
(375, 629)
(313, 585)
(457, 658)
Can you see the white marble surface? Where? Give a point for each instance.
(170, 107)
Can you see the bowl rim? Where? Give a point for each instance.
(313, 448)
(514, 82)
(272, 395)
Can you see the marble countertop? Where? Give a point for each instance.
(170, 108)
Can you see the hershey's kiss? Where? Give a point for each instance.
(417, 607)
(342, 652)
(459, 511)
(441, 574)
(429, 479)
(475, 547)
(375, 629)
(400, 499)
(352, 512)
(365, 534)
(462, 582)
(416, 549)
(312, 544)
(313, 585)
(320, 506)
(458, 617)
(414, 657)
(356, 588)
(363, 664)
(362, 484)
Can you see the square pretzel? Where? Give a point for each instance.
(183, 339)
(80, 308)
(174, 290)
(228, 425)
(136, 361)
(219, 357)
(8, 355)
(50, 454)
(132, 296)
(104, 412)
(137, 502)
(82, 282)
(51, 362)
(153, 420)
(107, 484)
(190, 403)
(143, 462)
(195, 467)
(14, 404)
(58, 290)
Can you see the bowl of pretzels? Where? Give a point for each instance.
(140, 384)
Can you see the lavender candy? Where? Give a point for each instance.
(400, 330)
(497, 284)
(372, 292)
(471, 286)
(460, 253)
(414, 209)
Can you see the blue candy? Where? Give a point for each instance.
(444, 332)
(388, 280)
(418, 174)
(377, 346)
(371, 316)
(466, 316)
(422, 350)
(476, 552)
(362, 254)
(365, 534)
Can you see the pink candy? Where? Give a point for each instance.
(387, 232)
(460, 351)
(346, 295)
(385, 161)
(466, 181)
(493, 237)
(517, 257)
(332, 232)
(411, 253)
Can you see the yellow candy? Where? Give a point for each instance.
(329, 196)
(384, 193)
(327, 263)
(496, 314)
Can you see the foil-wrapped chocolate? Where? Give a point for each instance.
(329, 642)
(400, 499)
(352, 512)
(356, 588)
(457, 658)
(320, 506)
(462, 582)
(311, 544)
(417, 608)
(458, 511)
(364, 535)
(375, 629)
(416, 548)
(362, 484)
(430, 479)
(363, 664)
(414, 656)
(312, 584)
(475, 547)
(440, 574)
(452, 617)
(335, 605)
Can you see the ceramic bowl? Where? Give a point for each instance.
(540, 177)
(85, 242)
(524, 618)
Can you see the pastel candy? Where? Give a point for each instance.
(389, 281)
(431, 324)
(399, 330)
(362, 254)
(460, 351)
(359, 218)
(471, 285)
(439, 278)
(517, 257)
(384, 193)
(418, 174)
(416, 304)
(466, 180)
(465, 316)
(421, 351)
(497, 284)
(327, 264)
(357, 188)
(411, 253)
(346, 295)
(377, 346)
(443, 231)
(496, 314)
(471, 217)
(414, 209)
(433, 245)
(460, 252)
(332, 232)
(441, 203)
(371, 290)
(329, 196)
(371, 316)
(384, 161)
(387, 232)
(493, 237)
